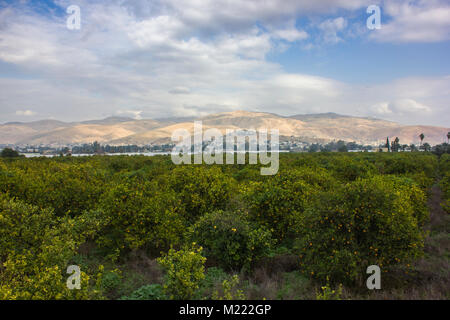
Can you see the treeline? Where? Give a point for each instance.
(92, 148)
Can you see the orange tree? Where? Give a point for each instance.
(36, 248)
(230, 239)
(278, 202)
(201, 189)
(141, 216)
(368, 222)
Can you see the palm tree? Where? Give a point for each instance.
(422, 136)
(396, 143)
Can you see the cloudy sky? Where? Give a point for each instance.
(153, 59)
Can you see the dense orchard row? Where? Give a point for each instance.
(339, 213)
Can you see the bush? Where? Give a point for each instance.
(370, 221)
(147, 292)
(230, 239)
(66, 188)
(141, 216)
(229, 290)
(110, 282)
(201, 189)
(9, 153)
(35, 250)
(184, 272)
(278, 203)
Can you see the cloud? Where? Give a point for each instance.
(331, 28)
(180, 90)
(190, 58)
(414, 21)
(136, 114)
(26, 113)
(401, 107)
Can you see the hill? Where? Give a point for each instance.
(309, 128)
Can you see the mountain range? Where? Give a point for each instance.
(322, 128)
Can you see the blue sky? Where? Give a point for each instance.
(150, 59)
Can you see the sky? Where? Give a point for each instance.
(173, 58)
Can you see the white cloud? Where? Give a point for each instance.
(291, 35)
(331, 28)
(26, 113)
(401, 107)
(189, 58)
(136, 114)
(414, 21)
(180, 90)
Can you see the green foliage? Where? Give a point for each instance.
(370, 221)
(327, 293)
(63, 187)
(147, 292)
(35, 250)
(9, 153)
(295, 286)
(230, 239)
(201, 189)
(50, 208)
(141, 216)
(110, 281)
(184, 272)
(278, 202)
(214, 277)
(229, 290)
(444, 168)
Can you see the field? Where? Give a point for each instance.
(143, 228)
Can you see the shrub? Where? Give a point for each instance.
(347, 168)
(327, 293)
(9, 153)
(278, 202)
(230, 239)
(147, 292)
(229, 290)
(141, 216)
(201, 189)
(35, 250)
(110, 281)
(184, 272)
(402, 163)
(66, 188)
(370, 221)
(213, 278)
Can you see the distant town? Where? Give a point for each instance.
(290, 145)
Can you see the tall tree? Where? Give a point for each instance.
(448, 137)
(421, 136)
(396, 144)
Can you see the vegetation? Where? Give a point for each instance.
(9, 153)
(143, 228)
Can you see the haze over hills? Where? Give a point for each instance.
(309, 128)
